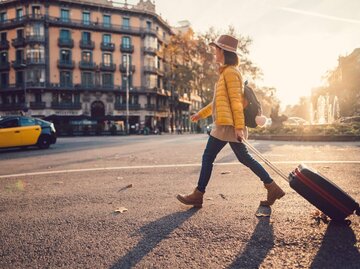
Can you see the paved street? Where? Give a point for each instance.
(57, 206)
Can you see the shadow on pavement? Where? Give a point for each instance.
(260, 243)
(338, 248)
(153, 234)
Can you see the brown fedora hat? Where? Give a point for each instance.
(226, 42)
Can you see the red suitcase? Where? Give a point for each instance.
(317, 189)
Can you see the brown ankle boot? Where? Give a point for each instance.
(195, 198)
(273, 192)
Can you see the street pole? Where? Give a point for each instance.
(127, 94)
(25, 108)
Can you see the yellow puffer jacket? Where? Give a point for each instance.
(229, 99)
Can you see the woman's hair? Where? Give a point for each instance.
(231, 58)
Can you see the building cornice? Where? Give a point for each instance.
(132, 11)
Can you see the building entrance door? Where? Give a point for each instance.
(97, 109)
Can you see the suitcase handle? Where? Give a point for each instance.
(273, 167)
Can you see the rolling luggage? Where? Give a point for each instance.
(317, 189)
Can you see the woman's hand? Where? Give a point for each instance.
(195, 117)
(240, 135)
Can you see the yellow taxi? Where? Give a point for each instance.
(22, 131)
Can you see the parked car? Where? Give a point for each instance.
(296, 121)
(21, 131)
(352, 119)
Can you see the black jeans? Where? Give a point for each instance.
(213, 147)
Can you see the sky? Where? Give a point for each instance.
(294, 41)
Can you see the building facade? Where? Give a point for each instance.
(86, 63)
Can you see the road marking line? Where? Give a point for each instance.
(163, 166)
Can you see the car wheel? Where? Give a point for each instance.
(43, 142)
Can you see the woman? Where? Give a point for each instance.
(228, 116)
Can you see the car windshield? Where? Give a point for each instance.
(42, 123)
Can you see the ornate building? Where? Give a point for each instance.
(85, 63)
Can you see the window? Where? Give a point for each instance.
(76, 98)
(36, 11)
(107, 20)
(107, 59)
(3, 57)
(38, 98)
(87, 79)
(65, 56)
(106, 39)
(125, 80)
(19, 54)
(107, 80)
(35, 76)
(20, 33)
(65, 78)
(10, 123)
(36, 54)
(65, 15)
(126, 42)
(19, 14)
(35, 29)
(19, 78)
(86, 18)
(3, 16)
(126, 23)
(3, 36)
(86, 57)
(86, 37)
(148, 25)
(65, 34)
(66, 98)
(125, 59)
(4, 80)
(27, 122)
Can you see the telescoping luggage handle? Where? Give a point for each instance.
(273, 167)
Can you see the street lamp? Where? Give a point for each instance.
(25, 108)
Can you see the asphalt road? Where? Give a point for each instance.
(57, 207)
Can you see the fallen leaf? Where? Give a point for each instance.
(120, 210)
(225, 172)
(223, 196)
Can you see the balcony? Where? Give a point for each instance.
(35, 84)
(107, 67)
(4, 66)
(122, 68)
(119, 106)
(87, 65)
(37, 105)
(65, 64)
(4, 45)
(66, 43)
(107, 46)
(35, 61)
(19, 64)
(127, 48)
(87, 45)
(10, 107)
(150, 69)
(63, 105)
(18, 42)
(150, 50)
(31, 39)
(150, 106)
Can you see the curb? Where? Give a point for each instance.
(337, 138)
